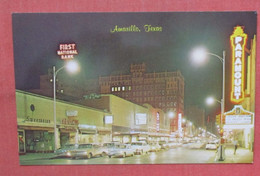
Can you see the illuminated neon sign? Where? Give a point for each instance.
(180, 124)
(67, 51)
(157, 121)
(238, 43)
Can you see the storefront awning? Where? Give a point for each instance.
(87, 129)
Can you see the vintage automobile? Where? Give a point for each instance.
(174, 144)
(211, 146)
(164, 144)
(108, 146)
(65, 150)
(88, 151)
(154, 147)
(121, 150)
(140, 147)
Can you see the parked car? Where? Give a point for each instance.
(88, 151)
(211, 146)
(65, 150)
(108, 146)
(121, 150)
(164, 144)
(174, 144)
(154, 147)
(140, 147)
(196, 145)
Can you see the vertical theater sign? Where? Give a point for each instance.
(240, 120)
(238, 43)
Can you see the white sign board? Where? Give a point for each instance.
(140, 119)
(108, 119)
(72, 113)
(238, 119)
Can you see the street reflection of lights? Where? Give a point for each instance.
(153, 156)
(121, 160)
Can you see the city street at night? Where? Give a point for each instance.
(141, 82)
(171, 156)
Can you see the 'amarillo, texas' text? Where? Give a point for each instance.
(134, 28)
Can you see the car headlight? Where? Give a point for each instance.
(68, 154)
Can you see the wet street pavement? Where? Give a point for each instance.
(172, 156)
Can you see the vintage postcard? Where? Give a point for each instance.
(135, 88)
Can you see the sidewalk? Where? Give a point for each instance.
(242, 156)
(36, 156)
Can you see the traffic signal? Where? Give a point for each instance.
(218, 119)
(223, 119)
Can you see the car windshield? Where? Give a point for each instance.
(162, 142)
(109, 145)
(69, 146)
(137, 143)
(85, 146)
(121, 146)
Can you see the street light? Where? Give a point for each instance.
(72, 67)
(171, 114)
(201, 54)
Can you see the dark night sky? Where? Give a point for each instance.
(37, 37)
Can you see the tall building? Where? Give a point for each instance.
(164, 90)
(196, 115)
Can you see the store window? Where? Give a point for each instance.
(39, 141)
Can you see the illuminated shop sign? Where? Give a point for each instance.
(238, 119)
(157, 121)
(239, 116)
(108, 119)
(72, 113)
(67, 51)
(238, 43)
(67, 121)
(140, 119)
(180, 124)
(28, 119)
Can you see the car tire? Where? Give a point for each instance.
(103, 154)
(89, 155)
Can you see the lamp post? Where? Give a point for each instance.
(201, 54)
(209, 101)
(71, 66)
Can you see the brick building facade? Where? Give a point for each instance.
(164, 90)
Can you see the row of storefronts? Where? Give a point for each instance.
(121, 120)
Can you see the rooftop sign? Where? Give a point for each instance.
(67, 51)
